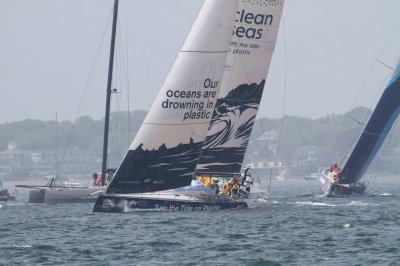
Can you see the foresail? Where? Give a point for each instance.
(381, 121)
(164, 152)
(251, 49)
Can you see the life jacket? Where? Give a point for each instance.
(226, 190)
(235, 186)
(207, 181)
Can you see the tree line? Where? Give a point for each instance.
(327, 138)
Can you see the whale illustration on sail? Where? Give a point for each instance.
(251, 49)
(337, 182)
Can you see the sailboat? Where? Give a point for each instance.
(217, 78)
(348, 181)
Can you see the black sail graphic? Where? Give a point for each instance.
(251, 50)
(164, 152)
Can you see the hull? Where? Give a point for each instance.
(64, 195)
(165, 202)
(331, 189)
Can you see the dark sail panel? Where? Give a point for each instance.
(155, 170)
(375, 132)
(235, 115)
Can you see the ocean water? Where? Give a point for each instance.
(296, 227)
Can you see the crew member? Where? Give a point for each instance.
(235, 188)
(108, 179)
(94, 176)
(98, 181)
(226, 190)
(214, 186)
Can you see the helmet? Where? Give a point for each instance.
(215, 179)
(236, 179)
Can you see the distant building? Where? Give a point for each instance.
(27, 164)
(12, 157)
(266, 165)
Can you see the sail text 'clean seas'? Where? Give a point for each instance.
(252, 19)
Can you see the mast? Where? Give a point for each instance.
(108, 99)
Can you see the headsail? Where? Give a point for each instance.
(164, 152)
(381, 121)
(251, 50)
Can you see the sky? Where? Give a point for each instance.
(54, 55)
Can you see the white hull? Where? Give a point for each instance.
(331, 189)
(64, 195)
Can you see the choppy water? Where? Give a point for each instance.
(296, 227)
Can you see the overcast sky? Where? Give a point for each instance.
(48, 47)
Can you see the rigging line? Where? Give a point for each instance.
(124, 71)
(266, 143)
(377, 91)
(127, 70)
(385, 152)
(379, 61)
(120, 78)
(357, 121)
(385, 46)
(120, 66)
(284, 103)
(142, 47)
(373, 134)
(379, 54)
(86, 88)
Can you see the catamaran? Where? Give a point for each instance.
(200, 123)
(348, 181)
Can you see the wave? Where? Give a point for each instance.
(310, 203)
(21, 246)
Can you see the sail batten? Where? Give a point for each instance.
(206, 52)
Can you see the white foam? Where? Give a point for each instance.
(21, 246)
(345, 225)
(385, 194)
(310, 203)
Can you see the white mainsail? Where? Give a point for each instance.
(164, 152)
(251, 49)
